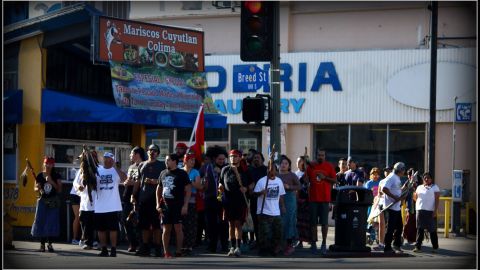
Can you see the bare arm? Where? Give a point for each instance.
(437, 201)
(188, 194)
(197, 183)
(387, 191)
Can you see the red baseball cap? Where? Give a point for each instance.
(235, 152)
(49, 160)
(181, 145)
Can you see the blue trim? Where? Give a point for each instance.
(57, 19)
(64, 107)
(12, 102)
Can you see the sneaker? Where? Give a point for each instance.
(113, 252)
(323, 249)
(231, 252)
(143, 252)
(95, 244)
(397, 250)
(132, 249)
(416, 249)
(50, 248)
(237, 252)
(42, 248)
(104, 252)
(288, 251)
(313, 248)
(299, 244)
(86, 247)
(75, 242)
(168, 255)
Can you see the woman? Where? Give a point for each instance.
(190, 221)
(289, 219)
(372, 185)
(303, 216)
(47, 224)
(427, 197)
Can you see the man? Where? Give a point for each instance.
(392, 190)
(137, 155)
(354, 176)
(144, 199)
(257, 170)
(181, 150)
(108, 204)
(173, 195)
(321, 176)
(270, 196)
(217, 228)
(234, 183)
(342, 165)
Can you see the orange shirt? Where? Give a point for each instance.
(320, 191)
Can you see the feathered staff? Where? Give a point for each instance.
(89, 172)
(28, 167)
(270, 174)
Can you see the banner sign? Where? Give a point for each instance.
(144, 44)
(162, 89)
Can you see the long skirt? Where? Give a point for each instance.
(303, 221)
(289, 219)
(190, 227)
(47, 221)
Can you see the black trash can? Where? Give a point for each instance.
(352, 204)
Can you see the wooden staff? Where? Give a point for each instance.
(270, 168)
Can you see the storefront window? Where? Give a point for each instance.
(368, 145)
(407, 144)
(211, 134)
(333, 139)
(245, 137)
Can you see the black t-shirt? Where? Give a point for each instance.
(49, 190)
(228, 179)
(133, 174)
(147, 193)
(257, 172)
(173, 184)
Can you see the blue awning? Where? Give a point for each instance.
(65, 107)
(12, 106)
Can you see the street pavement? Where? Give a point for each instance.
(454, 253)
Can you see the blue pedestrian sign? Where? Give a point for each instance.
(248, 78)
(457, 183)
(463, 112)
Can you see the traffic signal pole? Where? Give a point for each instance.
(275, 80)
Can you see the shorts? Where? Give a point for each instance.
(74, 199)
(172, 214)
(148, 217)
(235, 212)
(107, 221)
(319, 213)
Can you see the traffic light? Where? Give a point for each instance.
(256, 31)
(256, 109)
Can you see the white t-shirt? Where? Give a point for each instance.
(107, 198)
(426, 197)
(274, 190)
(299, 174)
(381, 200)
(394, 184)
(85, 203)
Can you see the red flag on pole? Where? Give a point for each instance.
(199, 131)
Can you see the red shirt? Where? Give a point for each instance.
(320, 191)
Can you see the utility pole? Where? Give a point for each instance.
(433, 89)
(275, 80)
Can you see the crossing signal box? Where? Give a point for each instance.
(256, 109)
(256, 31)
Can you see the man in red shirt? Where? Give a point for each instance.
(322, 176)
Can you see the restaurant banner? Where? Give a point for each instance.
(143, 44)
(163, 89)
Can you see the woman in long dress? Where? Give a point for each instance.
(47, 214)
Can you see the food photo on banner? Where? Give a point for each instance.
(152, 87)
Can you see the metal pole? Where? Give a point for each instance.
(275, 81)
(433, 89)
(454, 131)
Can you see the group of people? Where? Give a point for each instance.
(241, 204)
